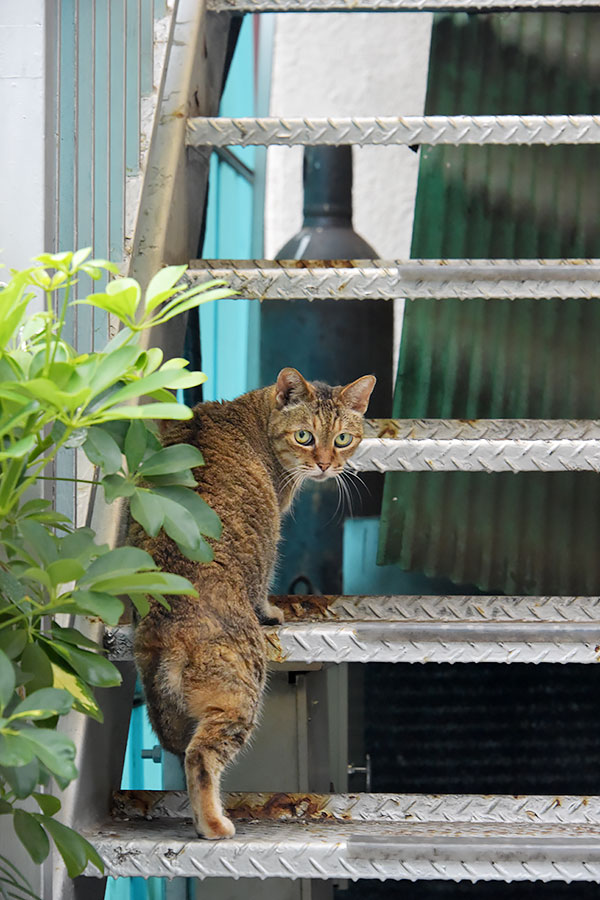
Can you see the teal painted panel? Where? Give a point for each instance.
(67, 128)
(229, 328)
(362, 575)
(132, 86)
(146, 46)
(84, 162)
(101, 135)
(116, 150)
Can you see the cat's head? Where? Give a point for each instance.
(314, 428)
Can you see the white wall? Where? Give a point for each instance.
(341, 64)
(23, 193)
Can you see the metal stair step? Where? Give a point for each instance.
(483, 445)
(257, 6)
(356, 836)
(208, 131)
(425, 629)
(379, 279)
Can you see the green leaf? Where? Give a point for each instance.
(74, 849)
(141, 604)
(80, 545)
(95, 603)
(161, 284)
(47, 393)
(146, 508)
(64, 570)
(42, 704)
(113, 366)
(14, 750)
(179, 305)
(84, 700)
(7, 680)
(42, 543)
(205, 517)
(117, 486)
(136, 442)
(201, 552)
(80, 257)
(22, 779)
(73, 636)
(149, 383)
(32, 835)
(10, 587)
(36, 574)
(172, 459)
(128, 292)
(146, 411)
(35, 662)
(55, 750)
(93, 668)
(12, 641)
(185, 478)
(117, 562)
(19, 448)
(101, 449)
(148, 583)
(48, 804)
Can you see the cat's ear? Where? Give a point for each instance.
(291, 387)
(356, 395)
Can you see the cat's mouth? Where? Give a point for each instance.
(323, 476)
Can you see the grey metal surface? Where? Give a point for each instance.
(415, 279)
(455, 809)
(360, 836)
(435, 642)
(509, 455)
(426, 629)
(256, 6)
(410, 130)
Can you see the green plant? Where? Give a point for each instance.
(53, 397)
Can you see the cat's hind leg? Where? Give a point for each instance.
(223, 729)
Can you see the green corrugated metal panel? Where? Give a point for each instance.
(513, 533)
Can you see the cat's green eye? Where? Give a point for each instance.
(304, 437)
(344, 439)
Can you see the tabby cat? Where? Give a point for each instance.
(203, 662)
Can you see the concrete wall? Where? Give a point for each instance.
(24, 192)
(362, 64)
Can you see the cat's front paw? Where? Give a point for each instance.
(269, 614)
(216, 828)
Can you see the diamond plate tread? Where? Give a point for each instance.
(415, 279)
(425, 629)
(464, 809)
(484, 429)
(383, 848)
(388, 130)
(257, 6)
(493, 445)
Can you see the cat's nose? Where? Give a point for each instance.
(323, 466)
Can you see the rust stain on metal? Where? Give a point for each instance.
(134, 804)
(285, 807)
(381, 428)
(305, 607)
(274, 650)
(317, 264)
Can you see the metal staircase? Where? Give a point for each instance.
(352, 836)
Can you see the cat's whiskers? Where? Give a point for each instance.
(348, 485)
(352, 473)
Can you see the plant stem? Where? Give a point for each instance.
(61, 478)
